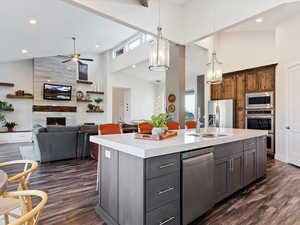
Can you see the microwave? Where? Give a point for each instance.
(261, 100)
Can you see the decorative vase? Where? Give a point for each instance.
(156, 131)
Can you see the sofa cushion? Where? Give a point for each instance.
(51, 129)
(89, 127)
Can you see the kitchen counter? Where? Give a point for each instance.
(182, 142)
(176, 180)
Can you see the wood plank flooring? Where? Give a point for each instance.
(72, 196)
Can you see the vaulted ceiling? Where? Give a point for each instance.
(57, 22)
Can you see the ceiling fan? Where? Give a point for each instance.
(75, 57)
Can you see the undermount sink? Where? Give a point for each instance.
(208, 135)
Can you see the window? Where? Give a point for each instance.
(190, 100)
(118, 52)
(135, 43)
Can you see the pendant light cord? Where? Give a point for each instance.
(159, 11)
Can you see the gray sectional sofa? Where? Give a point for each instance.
(58, 142)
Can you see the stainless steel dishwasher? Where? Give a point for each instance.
(197, 183)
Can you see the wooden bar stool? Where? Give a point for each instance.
(190, 124)
(173, 125)
(106, 129)
(145, 128)
(23, 177)
(29, 215)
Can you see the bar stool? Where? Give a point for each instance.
(173, 125)
(145, 128)
(190, 124)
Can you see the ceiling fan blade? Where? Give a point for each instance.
(68, 60)
(83, 59)
(63, 56)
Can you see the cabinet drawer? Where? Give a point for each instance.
(226, 150)
(162, 165)
(162, 190)
(166, 215)
(250, 144)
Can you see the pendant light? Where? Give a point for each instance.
(214, 74)
(159, 56)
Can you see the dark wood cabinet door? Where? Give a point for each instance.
(229, 87)
(249, 166)
(261, 157)
(240, 101)
(266, 79)
(222, 173)
(216, 92)
(237, 172)
(252, 82)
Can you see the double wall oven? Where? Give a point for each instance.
(260, 115)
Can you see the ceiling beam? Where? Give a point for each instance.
(144, 3)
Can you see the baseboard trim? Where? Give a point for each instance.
(107, 218)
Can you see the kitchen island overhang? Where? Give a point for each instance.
(140, 181)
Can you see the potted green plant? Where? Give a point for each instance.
(10, 125)
(91, 107)
(159, 122)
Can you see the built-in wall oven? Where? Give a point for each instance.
(262, 119)
(261, 100)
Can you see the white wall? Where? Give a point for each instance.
(244, 50)
(21, 74)
(141, 94)
(288, 48)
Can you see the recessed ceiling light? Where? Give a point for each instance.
(259, 20)
(97, 46)
(133, 66)
(24, 51)
(33, 21)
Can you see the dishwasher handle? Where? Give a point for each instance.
(195, 153)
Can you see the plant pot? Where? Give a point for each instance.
(158, 131)
(10, 129)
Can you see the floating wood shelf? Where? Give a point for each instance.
(49, 108)
(7, 84)
(91, 111)
(84, 82)
(95, 92)
(8, 110)
(84, 100)
(20, 97)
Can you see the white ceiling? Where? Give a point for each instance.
(271, 19)
(58, 21)
(141, 71)
(180, 2)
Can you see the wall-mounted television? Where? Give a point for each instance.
(57, 92)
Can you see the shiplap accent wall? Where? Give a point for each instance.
(51, 70)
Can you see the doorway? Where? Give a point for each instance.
(121, 105)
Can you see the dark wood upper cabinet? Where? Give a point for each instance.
(216, 92)
(252, 82)
(266, 79)
(229, 87)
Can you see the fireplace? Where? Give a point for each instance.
(56, 121)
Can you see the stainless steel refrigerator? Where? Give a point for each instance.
(226, 113)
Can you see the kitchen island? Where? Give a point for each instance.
(174, 181)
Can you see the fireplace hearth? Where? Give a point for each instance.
(56, 121)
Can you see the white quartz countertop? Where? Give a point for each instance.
(182, 142)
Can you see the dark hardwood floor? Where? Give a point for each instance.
(72, 196)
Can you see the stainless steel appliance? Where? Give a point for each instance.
(262, 119)
(221, 112)
(197, 183)
(261, 100)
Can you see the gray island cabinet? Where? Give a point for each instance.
(138, 189)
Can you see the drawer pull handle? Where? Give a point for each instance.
(166, 190)
(167, 165)
(167, 220)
